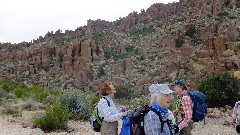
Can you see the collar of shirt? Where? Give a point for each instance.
(160, 109)
(108, 97)
(184, 93)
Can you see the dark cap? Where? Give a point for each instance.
(180, 83)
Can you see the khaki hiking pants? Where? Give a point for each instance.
(187, 130)
(109, 128)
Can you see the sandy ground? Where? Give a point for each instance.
(13, 126)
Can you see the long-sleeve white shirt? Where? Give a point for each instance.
(110, 114)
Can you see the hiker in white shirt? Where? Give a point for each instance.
(108, 111)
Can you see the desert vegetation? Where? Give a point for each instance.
(75, 104)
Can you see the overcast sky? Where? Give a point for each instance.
(24, 20)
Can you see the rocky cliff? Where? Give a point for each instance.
(189, 39)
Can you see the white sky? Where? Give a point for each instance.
(24, 20)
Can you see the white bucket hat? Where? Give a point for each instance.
(159, 88)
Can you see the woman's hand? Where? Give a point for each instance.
(123, 109)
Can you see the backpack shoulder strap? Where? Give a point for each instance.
(107, 101)
(161, 119)
(157, 112)
(101, 118)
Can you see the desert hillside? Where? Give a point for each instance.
(187, 40)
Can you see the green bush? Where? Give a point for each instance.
(142, 31)
(56, 118)
(35, 92)
(221, 89)
(10, 85)
(21, 93)
(130, 48)
(100, 71)
(124, 92)
(39, 93)
(108, 53)
(62, 40)
(139, 100)
(179, 41)
(130, 51)
(50, 100)
(77, 105)
(99, 36)
(223, 13)
(93, 100)
(7, 87)
(191, 31)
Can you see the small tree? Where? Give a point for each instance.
(221, 89)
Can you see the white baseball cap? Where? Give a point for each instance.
(159, 88)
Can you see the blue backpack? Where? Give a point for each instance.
(199, 105)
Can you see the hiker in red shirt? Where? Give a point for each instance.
(183, 112)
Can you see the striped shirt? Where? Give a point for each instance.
(110, 114)
(186, 111)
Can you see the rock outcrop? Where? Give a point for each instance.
(136, 50)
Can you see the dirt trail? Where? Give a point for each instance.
(13, 126)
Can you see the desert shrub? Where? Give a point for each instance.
(35, 92)
(7, 87)
(10, 85)
(108, 53)
(179, 41)
(124, 92)
(39, 93)
(56, 118)
(62, 40)
(223, 13)
(137, 101)
(77, 106)
(3, 93)
(32, 105)
(130, 51)
(130, 48)
(21, 93)
(143, 31)
(11, 111)
(191, 31)
(221, 89)
(99, 36)
(93, 100)
(100, 71)
(50, 100)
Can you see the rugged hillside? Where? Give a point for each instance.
(188, 39)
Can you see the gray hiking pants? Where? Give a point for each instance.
(187, 130)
